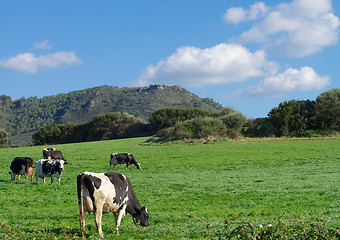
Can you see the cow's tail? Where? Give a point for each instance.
(80, 180)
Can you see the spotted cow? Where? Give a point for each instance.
(49, 168)
(22, 166)
(108, 192)
(121, 158)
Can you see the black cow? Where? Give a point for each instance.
(49, 168)
(52, 153)
(22, 166)
(121, 158)
(108, 192)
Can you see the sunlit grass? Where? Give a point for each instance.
(256, 179)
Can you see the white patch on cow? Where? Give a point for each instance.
(88, 204)
(104, 195)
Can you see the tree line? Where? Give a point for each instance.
(299, 118)
(290, 118)
(196, 122)
(23, 117)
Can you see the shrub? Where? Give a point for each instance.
(201, 127)
(3, 137)
(234, 120)
(259, 127)
(284, 227)
(168, 117)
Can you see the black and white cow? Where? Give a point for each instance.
(22, 166)
(108, 192)
(52, 153)
(121, 158)
(49, 168)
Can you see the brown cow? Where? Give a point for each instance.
(22, 166)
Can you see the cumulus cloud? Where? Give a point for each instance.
(235, 15)
(29, 63)
(221, 64)
(43, 45)
(303, 79)
(299, 28)
(238, 14)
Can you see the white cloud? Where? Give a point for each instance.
(29, 63)
(238, 14)
(221, 64)
(42, 45)
(291, 80)
(298, 29)
(235, 15)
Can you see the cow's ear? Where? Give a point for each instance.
(144, 209)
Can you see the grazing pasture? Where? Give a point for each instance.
(190, 189)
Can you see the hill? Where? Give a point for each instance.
(23, 117)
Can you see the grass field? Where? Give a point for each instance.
(190, 189)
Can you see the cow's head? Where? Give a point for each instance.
(60, 165)
(141, 218)
(47, 152)
(113, 155)
(138, 165)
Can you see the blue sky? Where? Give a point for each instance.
(245, 54)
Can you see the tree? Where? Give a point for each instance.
(259, 127)
(293, 117)
(168, 117)
(3, 137)
(328, 109)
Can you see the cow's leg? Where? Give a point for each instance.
(99, 213)
(12, 175)
(36, 178)
(52, 179)
(26, 176)
(43, 178)
(59, 181)
(119, 216)
(82, 220)
(30, 173)
(19, 177)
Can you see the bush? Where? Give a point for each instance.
(201, 127)
(168, 117)
(234, 120)
(100, 127)
(284, 227)
(3, 137)
(259, 127)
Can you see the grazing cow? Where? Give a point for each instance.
(108, 192)
(49, 168)
(52, 153)
(22, 166)
(121, 158)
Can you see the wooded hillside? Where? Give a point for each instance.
(23, 117)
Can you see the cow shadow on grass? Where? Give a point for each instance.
(69, 231)
(49, 233)
(15, 181)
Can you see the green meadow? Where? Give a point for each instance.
(191, 190)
